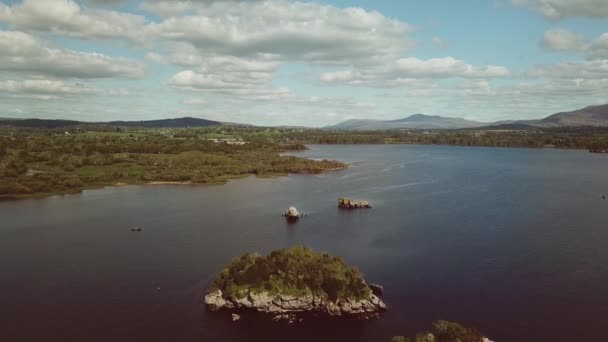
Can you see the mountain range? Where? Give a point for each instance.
(596, 116)
(588, 116)
(416, 121)
(591, 116)
(163, 123)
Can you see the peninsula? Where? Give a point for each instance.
(47, 162)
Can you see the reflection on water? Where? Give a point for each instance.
(508, 240)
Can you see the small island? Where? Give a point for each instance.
(292, 214)
(289, 283)
(347, 203)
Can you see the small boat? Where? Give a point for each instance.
(136, 229)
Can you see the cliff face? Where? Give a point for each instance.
(286, 306)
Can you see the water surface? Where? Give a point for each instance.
(512, 241)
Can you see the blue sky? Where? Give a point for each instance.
(281, 62)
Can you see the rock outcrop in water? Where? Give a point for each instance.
(287, 307)
(288, 283)
(378, 290)
(347, 203)
(292, 213)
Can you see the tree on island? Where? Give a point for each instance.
(445, 331)
(295, 271)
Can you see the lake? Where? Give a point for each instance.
(511, 241)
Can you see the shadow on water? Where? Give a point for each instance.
(264, 329)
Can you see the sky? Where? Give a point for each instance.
(307, 63)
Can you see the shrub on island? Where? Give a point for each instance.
(445, 331)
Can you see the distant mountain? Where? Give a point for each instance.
(416, 121)
(38, 123)
(588, 116)
(591, 116)
(164, 123)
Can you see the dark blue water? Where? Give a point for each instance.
(511, 241)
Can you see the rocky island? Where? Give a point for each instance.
(289, 283)
(347, 203)
(292, 214)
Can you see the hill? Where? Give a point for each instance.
(416, 121)
(167, 123)
(38, 123)
(163, 123)
(591, 116)
(588, 116)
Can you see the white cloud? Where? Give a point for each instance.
(21, 52)
(560, 9)
(584, 70)
(439, 43)
(254, 86)
(155, 57)
(447, 66)
(562, 40)
(598, 48)
(66, 17)
(399, 72)
(45, 87)
(247, 78)
(289, 31)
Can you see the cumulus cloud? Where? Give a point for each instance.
(45, 87)
(560, 9)
(562, 40)
(21, 52)
(248, 78)
(66, 17)
(404, 69)
(289, 31)
(598, 48)
(584, 70)
(254, 86)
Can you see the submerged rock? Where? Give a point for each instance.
(235, 317)
(347, 203)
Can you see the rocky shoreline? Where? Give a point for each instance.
(290, 308)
